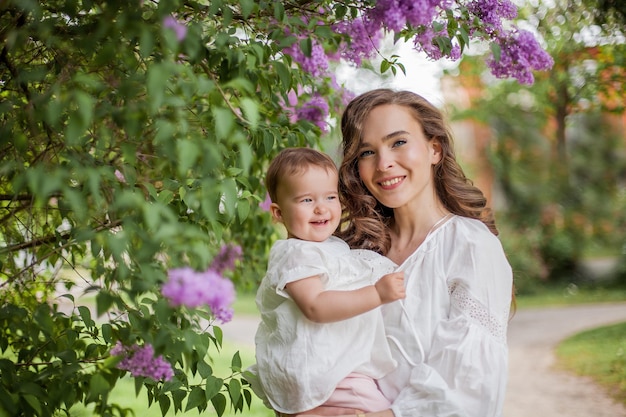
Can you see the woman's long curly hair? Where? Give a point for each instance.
(366, 221)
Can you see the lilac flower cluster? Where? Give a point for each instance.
(194, 289)
(520, 54)
(491, 13)
(226, 258)
(426, 42)
(179, 29)
(366, 38)
(315, 110)
(316, 64)
(429, 19)
(265, 204)
(140, 362)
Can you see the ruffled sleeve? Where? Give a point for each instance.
(464, 372)
(296, 259)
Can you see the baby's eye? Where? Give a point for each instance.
(306, 200)
(332, 197)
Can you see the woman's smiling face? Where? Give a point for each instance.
(395, 158)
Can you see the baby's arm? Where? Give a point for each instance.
(323, 306)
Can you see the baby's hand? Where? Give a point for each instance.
(391, 287)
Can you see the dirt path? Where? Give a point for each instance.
(535, 387)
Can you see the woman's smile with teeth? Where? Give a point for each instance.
(387, 183)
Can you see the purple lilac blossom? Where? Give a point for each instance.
(491, 13)
(169, 22)
(520, 55)
(221, 296)
(226, 258)
(422, 12)
(265, 204)
(194, 289)
(120, 177)
(140, 362)
(315, 111)
(364, 36)
(391, 13)
(316, 64)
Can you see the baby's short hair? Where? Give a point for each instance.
(292, 161)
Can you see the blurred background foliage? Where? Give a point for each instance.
(557, 149)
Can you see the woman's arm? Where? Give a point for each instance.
(323, 306)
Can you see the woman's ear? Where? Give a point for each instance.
(437, 151)
(276, 213)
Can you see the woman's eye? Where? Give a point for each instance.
(399, 143)
(365, 153)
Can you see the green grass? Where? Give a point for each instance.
(569, 295)
(245, 305)
(599, 353)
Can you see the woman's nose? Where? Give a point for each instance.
(384, 162)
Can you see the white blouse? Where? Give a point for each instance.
(449, 334)
(300, 362)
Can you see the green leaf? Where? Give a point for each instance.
(85, 105)
(284, 74)
(107, 333)
(164, 403)
(384, 66)
(250, 110)
(217, 332)
(340, 11)
(224, 122)
(85, 314)
(246, 7)
(104, 301)
(495, 50)
(146, 42)
(219, 403)
(235, 363)
(197, 399)
(205, 370)
(306, 45)
(213, 386)
(279, 11)
(98, 385)
(234, 390)
(34, 403)
(243, 209)
(188, 153)
(178, 396)
(156, 83)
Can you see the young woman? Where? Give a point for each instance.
(408, 198)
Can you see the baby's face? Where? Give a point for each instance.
(308, 204)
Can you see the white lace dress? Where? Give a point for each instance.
(449, 334)
(300, 362)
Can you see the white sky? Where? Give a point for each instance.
(422, 75)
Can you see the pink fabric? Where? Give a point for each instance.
(360, 392)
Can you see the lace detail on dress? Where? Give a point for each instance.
(495, 323)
